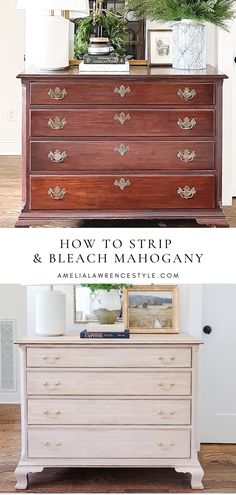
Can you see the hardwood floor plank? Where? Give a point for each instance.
(218, 461)
(10, 204)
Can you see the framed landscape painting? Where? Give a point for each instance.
(151, 309)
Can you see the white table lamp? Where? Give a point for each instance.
(51, 33)
(50, 313)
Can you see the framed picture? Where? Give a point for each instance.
(160, 47)
(151, 309)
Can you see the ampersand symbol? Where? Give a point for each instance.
(37, 258)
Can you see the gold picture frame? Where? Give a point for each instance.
(146, 311)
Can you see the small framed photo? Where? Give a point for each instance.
(151, 309)
(160, 47)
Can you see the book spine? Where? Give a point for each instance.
(96, 59)
(104, 335)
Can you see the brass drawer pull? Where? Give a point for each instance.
(186, 124)
(122, 149)
(186, 192)
(166, 444)
(57, 93)
(52, 386)
(57, 123)
(167, 386)
(165, 360)
(57, 193)
(187, 94)
(122, 90)
(52, 446)
(166, 414)
(186, 156)
(57, 156)
(122, 117)
(122, 183)
(53, 415)
(49, 360)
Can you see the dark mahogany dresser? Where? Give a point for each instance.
(143, 145)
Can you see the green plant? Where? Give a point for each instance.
(107, 287)
(114, 27)
(214, 11)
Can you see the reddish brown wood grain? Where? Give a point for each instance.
(103, 122)
(152, 134)
(104, 155)
(143, 192)
(102, 92)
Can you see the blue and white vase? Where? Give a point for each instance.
(189, 45)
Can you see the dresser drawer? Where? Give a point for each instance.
(108, 442)
(117, 192)
(109, 411)
(121, 155)
(122, 122)
(117, 357)
(123, 91)
(109, 382)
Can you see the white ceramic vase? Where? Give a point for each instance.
(106, 305)
(189, 45)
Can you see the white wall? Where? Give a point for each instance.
(11, 63)
(233, 31)
(13, 307)
(227, 52)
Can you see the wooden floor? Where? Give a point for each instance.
(10, 203)
(218, 461)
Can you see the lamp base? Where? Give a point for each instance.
(51, 69)
(50, 314)
(51, 43)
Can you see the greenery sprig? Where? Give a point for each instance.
(214, 11)
(114, 27)
(107, 287)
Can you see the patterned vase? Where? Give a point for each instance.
(189, 45)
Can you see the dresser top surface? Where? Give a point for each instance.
(135, 72)
(139, 339)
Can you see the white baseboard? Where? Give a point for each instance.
(227, 199)
(10, 398)
(10, 147)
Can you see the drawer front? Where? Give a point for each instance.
(122, 192)
(112, 358)
(109, 411)
(121, 91)
(109, 382)
(108, 442)
(123, 155)
(122, 122)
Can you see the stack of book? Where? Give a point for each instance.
(104, 63)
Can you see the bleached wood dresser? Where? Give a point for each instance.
(109, 403)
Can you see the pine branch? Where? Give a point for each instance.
(217, 12)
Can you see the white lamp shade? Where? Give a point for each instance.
(50, 313)
(76, 5)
